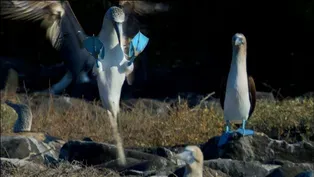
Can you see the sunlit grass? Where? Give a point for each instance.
(143, 127)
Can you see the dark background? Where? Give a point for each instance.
(190, 46)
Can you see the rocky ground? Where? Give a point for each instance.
(45, 153)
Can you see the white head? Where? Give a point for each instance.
(113, 20)
(193, 157)
(112, 35)
(239, 45)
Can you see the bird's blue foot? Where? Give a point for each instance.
(225, 136)
(243, 131)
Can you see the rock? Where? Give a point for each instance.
(87, 139)
(92, 153)
(149, 168)
(208, 172)
(166, 152)
(210, 149)
(306, 174)
(289, 169)
(259, 148)
(35, 147)
(236, 168)
(213, 173)
(114, 164)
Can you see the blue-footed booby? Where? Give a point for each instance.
(66, 34)
(193, 157)
(238, 95)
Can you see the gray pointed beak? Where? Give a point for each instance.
(186, 156)
(118, 28)
(238, 41)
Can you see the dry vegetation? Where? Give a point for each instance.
(64, 170)
(141, 127)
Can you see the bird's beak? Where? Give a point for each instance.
(238, 41)
(186, 156)
(118, 28)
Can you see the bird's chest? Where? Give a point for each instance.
(237, 102)
(237, 84)
(111, 77)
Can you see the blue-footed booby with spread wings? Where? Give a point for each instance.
(107, 49)
(238, 96)
(66, 34)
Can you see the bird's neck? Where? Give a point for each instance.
(238, 62)
(109, 36)
(194, 170)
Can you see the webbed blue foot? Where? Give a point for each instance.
(225, 136)
(137, 45)
(243, 131)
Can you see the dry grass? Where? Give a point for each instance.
(68, 170)
(143, 128)
(64, 170)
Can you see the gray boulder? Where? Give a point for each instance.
(36, 147)
(306, 174)
(289, 169)
(259, 147)
(236, 168)
(104, 155)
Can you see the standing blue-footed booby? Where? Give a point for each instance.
(238, 96)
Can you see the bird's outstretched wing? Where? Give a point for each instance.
(133, 10)
(131, 26)
(50, 13)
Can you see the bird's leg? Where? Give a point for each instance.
(117, 137)
(243, 131)
(227, 126)
(225, 136)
